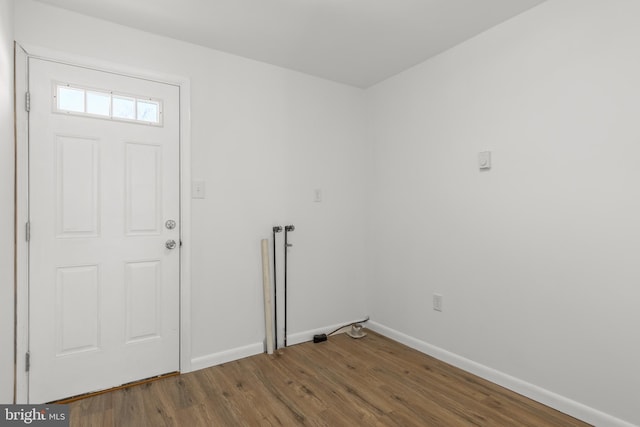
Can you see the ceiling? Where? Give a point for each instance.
(356, 42)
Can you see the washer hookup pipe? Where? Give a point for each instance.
(287, 245)
(276, 229)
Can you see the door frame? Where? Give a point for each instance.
(22, 54)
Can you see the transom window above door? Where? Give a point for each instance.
(82, 101)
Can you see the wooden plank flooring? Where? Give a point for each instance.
(373, 381)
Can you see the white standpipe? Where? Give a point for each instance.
(266, 285)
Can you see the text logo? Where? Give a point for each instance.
(34, 415)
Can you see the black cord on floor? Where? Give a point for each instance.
(348, 324)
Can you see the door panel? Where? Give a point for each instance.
(77, 309)
(77, 189)
(103, 288)
(143, 181)
(143, 287)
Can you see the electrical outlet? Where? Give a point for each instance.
(437, 302)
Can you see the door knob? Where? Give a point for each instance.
(170, 244)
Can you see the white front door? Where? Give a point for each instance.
(103, 182)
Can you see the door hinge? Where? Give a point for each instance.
(27, 361)
(27, 231)
(27, 101)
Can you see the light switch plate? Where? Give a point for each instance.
(197, 189)
(484, 160)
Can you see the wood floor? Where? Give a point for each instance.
(342, 382)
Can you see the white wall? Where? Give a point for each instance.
(262, 138)
(537, 259)
(6, 201)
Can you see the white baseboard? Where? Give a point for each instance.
(214, 359)
(546, 397)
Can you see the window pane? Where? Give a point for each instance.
(98, 103)
(70, 99)
(107, 103)
(124, 108)
(148, 111)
